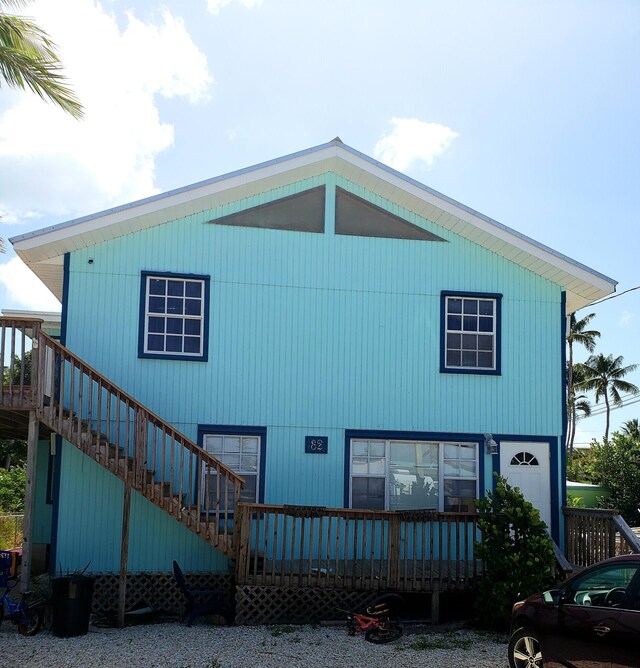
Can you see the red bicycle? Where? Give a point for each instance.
(379, 623)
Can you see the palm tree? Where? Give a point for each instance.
(632, 428)
(28, 60)
(578, 333)
(605, 376)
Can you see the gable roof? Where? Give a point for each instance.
(43, 250)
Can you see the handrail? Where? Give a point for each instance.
(350, 548)
(563, 566)
(156, 419)
(627, 534)
(105, 422)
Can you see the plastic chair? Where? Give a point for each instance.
(200, 601)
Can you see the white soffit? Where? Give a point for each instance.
(43, 250)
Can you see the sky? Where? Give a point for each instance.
(527, 112)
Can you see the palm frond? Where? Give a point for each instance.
(28, 60)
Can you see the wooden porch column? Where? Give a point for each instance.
(124, 553)
(29, 496)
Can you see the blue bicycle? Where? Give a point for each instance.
(27, 617)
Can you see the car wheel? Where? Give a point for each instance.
(524, 649)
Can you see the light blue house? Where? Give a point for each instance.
(336, 333)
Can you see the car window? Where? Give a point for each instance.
(605, 587)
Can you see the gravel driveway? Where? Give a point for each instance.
(175, 646)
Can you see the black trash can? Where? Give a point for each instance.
(71, 597)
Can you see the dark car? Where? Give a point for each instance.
(591, 621)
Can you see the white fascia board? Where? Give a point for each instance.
(479, 221)
(187, 197)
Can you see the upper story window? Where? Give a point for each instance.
(174, 316)
(471, 326)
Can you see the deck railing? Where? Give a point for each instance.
(354, 549)
(121, 434)
(16, 338)
(593, 535)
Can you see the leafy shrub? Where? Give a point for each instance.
(12, 486)
(616, 465)
(516, 552)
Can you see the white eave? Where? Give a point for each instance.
(44, 250)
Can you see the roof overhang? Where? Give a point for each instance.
(43, 250)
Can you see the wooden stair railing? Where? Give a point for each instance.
(117, 431)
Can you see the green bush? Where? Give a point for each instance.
(516, 552)
(616, 465)
(12, 486)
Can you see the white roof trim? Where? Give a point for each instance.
(43, 250)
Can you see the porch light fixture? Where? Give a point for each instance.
(490, 445)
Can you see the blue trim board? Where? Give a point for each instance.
(57, 464)
(240, 430)
(554, 482)
(563, 348)
(55, 511)
(443, 328)
(141, 319)
(411, 436)
(65, 298)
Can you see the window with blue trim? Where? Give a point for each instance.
(174, 312)
(410, 475)
(470, 333)
(241, 451)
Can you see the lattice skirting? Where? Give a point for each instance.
(157, 590)
(276, 605)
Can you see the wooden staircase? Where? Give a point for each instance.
(77, 402)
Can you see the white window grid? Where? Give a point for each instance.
(468, 333)
(225, 452)
(441, 466)
(192, 325)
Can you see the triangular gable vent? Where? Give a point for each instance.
(357, 217)
(303, 212)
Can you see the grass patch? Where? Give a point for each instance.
(281, 630)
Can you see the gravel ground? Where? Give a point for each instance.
(202, 646)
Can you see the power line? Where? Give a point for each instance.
(602, 411)
(606, 299)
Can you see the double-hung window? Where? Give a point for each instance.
(241, 450)
(412, 475)
(471, 333)
(174, 316)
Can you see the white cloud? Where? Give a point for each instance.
(412, 141)
(215, 6)
(626, 318)
(24, 288)
(51, 163)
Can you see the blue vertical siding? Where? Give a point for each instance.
(90, 526)
(310, 334)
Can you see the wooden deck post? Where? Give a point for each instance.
(435, 607)
(30, 488)
(124, 553)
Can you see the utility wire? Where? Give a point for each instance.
(606, 299)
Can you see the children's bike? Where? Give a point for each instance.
(379, 623)
(28, 618)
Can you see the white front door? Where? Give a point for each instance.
(526, 465)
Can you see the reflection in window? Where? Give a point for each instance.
(411, 475)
